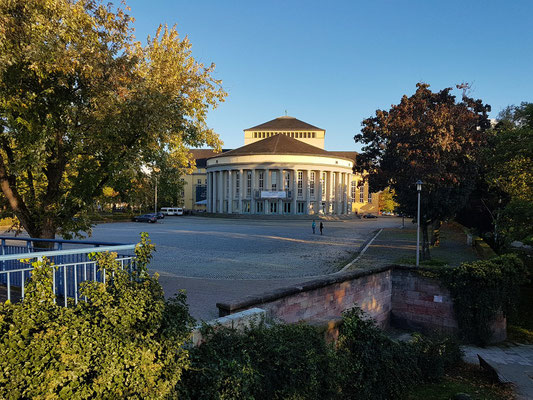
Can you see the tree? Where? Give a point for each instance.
(81, 101)
(509, 171)
(386, 200)
(431, 137)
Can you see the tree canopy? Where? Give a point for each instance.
(427, 136)
(81, 101)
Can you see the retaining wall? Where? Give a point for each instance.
(394, 295)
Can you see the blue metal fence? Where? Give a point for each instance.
(70, 258)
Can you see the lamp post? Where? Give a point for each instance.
(418, 189)
(155, 170)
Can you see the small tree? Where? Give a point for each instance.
(125, 342)
(431, 137)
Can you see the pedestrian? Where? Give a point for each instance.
(321, 227)
(313, 225)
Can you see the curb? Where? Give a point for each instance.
(365, 248)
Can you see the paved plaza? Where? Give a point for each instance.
(220, 259)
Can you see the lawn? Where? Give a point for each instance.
(466, 378)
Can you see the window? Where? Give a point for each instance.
(287, 180)
(259, 206)
(300, 183)
(369, 197)
(227, 184)
(314, 135)
(273, 207)
(287, 207)
(199, 181)
(354, 191)
(274, 178)
(301, 207)
(361, 194)
(261, 180)
(246, 207)
(323, 183)
(248, 183)
(237, 183)
(312, 183)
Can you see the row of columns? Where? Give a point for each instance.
(222, 191)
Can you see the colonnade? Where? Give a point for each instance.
(278, 191)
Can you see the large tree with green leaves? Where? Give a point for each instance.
(430, 137)
(81, 100)
(509, 172)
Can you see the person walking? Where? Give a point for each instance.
(321, 227)
(313, 225)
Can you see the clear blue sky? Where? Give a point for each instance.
(333, 63)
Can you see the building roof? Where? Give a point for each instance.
(352, 155)
(281, 144)
(285, 123)
(201, 156)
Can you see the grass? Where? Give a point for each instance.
(466, 378)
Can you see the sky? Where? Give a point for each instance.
(334, 63)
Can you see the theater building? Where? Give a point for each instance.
(284, 169)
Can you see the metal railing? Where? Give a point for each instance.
(71, 266)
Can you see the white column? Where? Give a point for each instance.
(268, 187)
(294, 190)
(338, 193)
(220, 190)
(307, 191)
(241, 189)
(209, 192)
(318, 195)
(346, 191)
(230, 192)
(329, 191)
(280, 188)
(252, 193)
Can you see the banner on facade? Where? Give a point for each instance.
(273, 195)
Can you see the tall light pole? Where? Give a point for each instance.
(155, 170)
(418, 189)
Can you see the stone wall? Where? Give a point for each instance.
(420, 303)
(325, 298)
(394, 295)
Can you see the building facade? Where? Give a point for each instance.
(283, 169)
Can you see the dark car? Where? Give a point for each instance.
(145, 218)
(160, 215)
(370, 216)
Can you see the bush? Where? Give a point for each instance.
(277, 362)
(125, 342)
(435, 355)
(370, 365)
(483, 289)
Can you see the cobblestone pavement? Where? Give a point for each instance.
(200, 247)
(513, 362)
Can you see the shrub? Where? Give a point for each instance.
(125, 342)
(277, 362)
(370, 365)
(483, 289)
(435, 355)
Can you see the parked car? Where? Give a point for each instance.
(145, 218)
(369, 216)
(159, 215)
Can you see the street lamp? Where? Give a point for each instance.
(155, 170)
(418, 189)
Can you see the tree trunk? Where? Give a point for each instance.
(435, 234)
(425, 242)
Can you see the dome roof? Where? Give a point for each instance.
(285, 123)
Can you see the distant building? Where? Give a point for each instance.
(282, 169)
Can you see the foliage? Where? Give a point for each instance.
(431, 137)
(126, 341)
(277, 362)
(81, 102)
(436, 355)
(483, 289)
(386, 200)
(371, 365)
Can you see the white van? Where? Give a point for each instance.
(172, 211)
